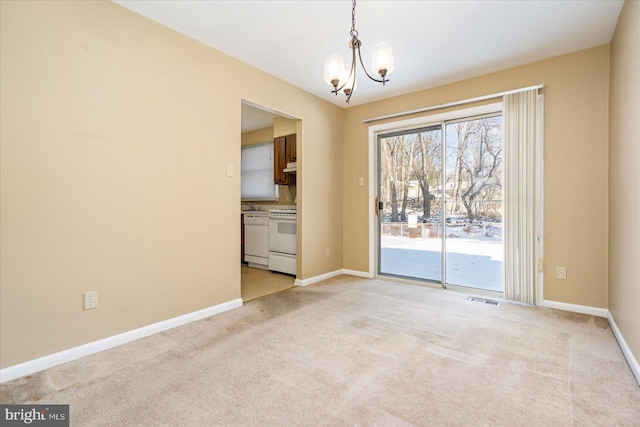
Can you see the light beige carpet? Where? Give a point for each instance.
(256, 283)
(354, 352)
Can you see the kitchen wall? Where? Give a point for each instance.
(283, 126)
(575, 169)
(624, 177)
(116, 133)
(257, 136)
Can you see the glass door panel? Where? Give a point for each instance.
(473, 203)
(440, 216)
(410, 196)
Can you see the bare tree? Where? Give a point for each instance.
(461, 132)
(389, 149)
(478, 162)
(427, 167)
(407, 160)
(411, 167)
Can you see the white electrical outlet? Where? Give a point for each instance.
(326, 252)
(561, 273)
(90, 299)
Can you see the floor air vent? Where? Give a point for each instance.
(484, 301)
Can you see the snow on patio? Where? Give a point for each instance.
(471, 261)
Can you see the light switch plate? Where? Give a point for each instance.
(229, 170)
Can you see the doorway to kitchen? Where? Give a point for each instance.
(439, 200)
(268, 189)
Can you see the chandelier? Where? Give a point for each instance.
(344, 79)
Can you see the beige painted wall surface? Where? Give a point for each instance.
(283, 126)
(624, 177)
(115, 137)
(576, 120)
(257, 136)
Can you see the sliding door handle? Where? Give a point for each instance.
(379, 206)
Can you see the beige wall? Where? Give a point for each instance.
(283, 126)
(115, 137)
(624, 176)
(576, 120)
(257, 136)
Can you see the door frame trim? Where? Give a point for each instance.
(374, 130)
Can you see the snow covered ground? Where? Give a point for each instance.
(470, 261)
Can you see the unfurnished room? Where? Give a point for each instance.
(300, 213)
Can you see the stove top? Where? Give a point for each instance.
(283, 211)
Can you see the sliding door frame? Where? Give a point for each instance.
(378, 171)
(376, 131)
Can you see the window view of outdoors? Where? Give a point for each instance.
(417, 202)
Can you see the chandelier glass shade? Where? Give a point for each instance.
(344, 79)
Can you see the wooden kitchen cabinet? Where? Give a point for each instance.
(284, 151)
(290, 148)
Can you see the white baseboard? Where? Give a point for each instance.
(46, 362)
(316, 279)
(584, 309)
(357, 273)
(321, 277)
(602, 312)
(631, 360)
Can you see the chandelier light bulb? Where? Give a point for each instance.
(382, 59)
(333, 70)
(350, 83)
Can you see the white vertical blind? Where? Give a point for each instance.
(540, 200)
(257, 173)
(521, 127)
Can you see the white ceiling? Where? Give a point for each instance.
(255, 117)
(434, 42)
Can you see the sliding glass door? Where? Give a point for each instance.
(440, 203)
(410, 199)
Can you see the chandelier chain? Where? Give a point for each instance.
(354, 32)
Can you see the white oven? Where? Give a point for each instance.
(282, 240)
